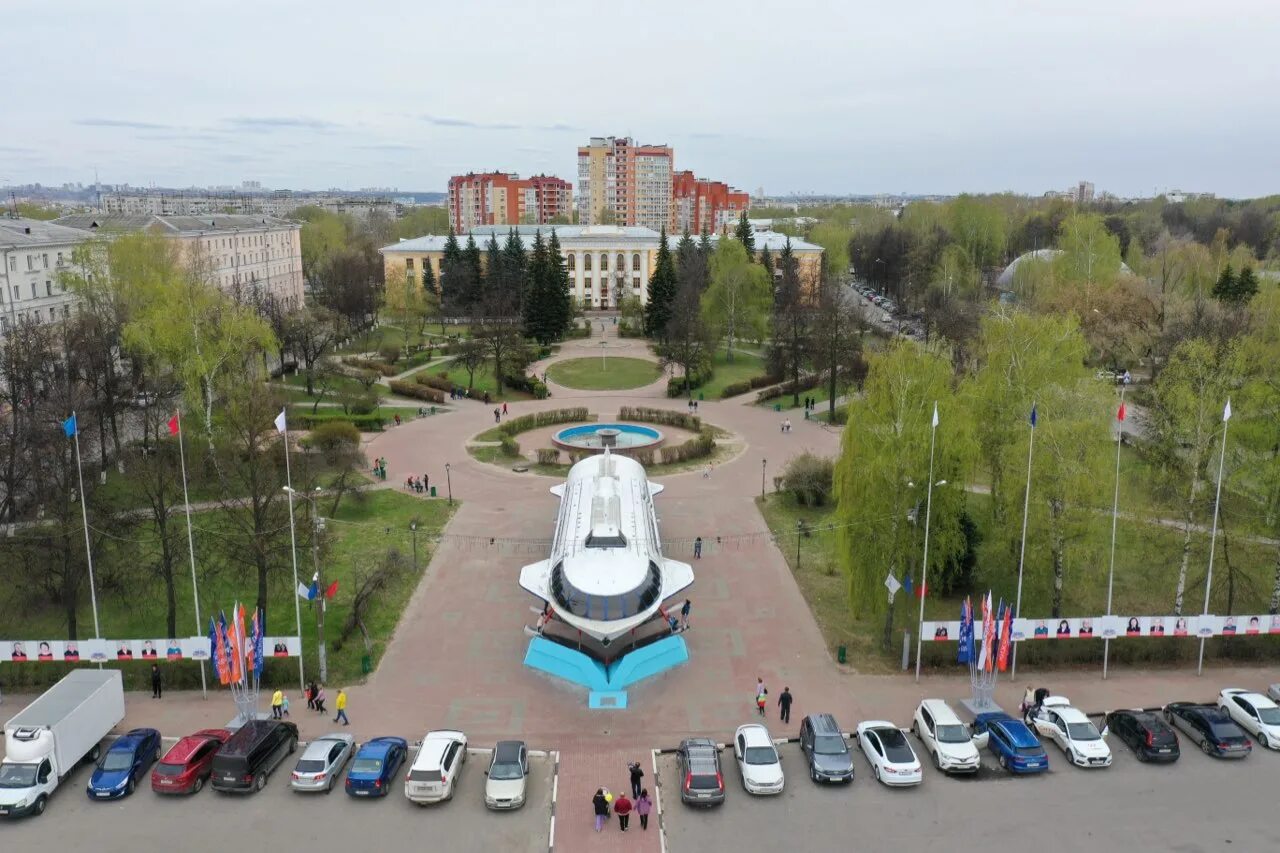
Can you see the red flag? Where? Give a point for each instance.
(332, 590)
(173, 425)
(922, 590)
(1120, 414)
(1006, 637)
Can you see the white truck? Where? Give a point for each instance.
(48, 738)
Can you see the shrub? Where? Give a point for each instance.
(576, 456)
(390, 353)
(808, 478)
(328, 436)
(805, 383)
(510, 447)
(761, 381)
(379, 367)
(418, 392)
(364, 423)
(644, 456)
(734, 389)
(364, 403)
(524, 423)
(548, 456)
(440, 381)
(695, 448)
(666, 417)
(528, 384)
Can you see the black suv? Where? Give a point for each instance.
(825, 749)
(243, 763)
(1146, 734)
(701, 782)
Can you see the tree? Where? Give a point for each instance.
(420, 220)
(837, 341)
(471, 356)
(737, 303)
(693, 263)
(1259, 430)
(689, 342)
(746, 235)
(1224, 290)
(559, 287)
(1236, 290)
(662, 292)
(515, 275)
(453, 287)
(473, 278)
(371, 581)
(632, 310)
(789, 346)
(766, 261)
(505, 346)
(979, 229)
(543, 317)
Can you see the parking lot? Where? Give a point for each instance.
(279, 820)
(1197, 804)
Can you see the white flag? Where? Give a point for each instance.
(935, 415)
(303, 591)
(893, 584)
(1226, 413)
(280, 421)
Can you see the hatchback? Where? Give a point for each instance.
(701, 781)
(436, 767)
(1012, 743)
(1146, 734)
(824, 747)
(124, 764)
(187, 765)
(375, 765)
(321, 763)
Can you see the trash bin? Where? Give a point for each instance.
(433, 491)
(366, 664)
(777, 407)
(433, 410)
(841, 654)
(702, 397)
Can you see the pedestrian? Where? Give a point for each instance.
(1028, 699)
(784, 703)
(486, 398)
(643, 806)
(695, 407)
(601, 807)
(311, 696)
(636, 775)
(426, 483)
(408, 483)
(674, 623)
(761, 693)
(397, 420)
(156, 687)
(497, 416)
(320, 700)
(340, 705)
(284, 705)
(697, 548)
(504, 408)
(684, 615)
(622, 808)
(706, 472)
(277, 700)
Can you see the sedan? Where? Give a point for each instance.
(1254, 713)
(1210, 728)
(1146, 734)
(758, 760)
(187, 765)
(1011, 742)
(892, 759)
(375, 765)
(507, 779)
(124, 764)
(321, 763)
(1073, 732)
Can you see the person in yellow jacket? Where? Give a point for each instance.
(277, 704)
(341, 705)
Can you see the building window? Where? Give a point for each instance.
(635, 284)
(604, 263)
(48, 288)
(622, 263)
(408, 263)
(33, 290)
(572, 262)
(586, 264)
(635, 262)
(46, 260)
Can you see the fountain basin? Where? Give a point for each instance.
(619, 437)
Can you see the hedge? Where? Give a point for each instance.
(524, 423)
(695, 448)
(806, 383)
(418, 392)
(510, 447)
(666, 417)
(440, 381)
(528, 384)
(548, 456)
(369, 364)
(678, 385)
(364, 423)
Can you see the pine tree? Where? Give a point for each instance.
(662, 292)
(693, 264)
(1224, 290)
(766, 260)
(559, 287)
(516, 266)
(451, 275)
(539, 306)
(745, 235)
(474, 274)
(496, 285)
(705, 247)
(1246, 285)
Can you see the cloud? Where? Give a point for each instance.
(265, 124)
(388, 146)
(446, 121)
(115, 122)
(560, 127)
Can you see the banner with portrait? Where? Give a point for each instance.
(1117, 627)
(102, 651)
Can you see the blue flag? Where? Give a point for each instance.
(69, 425)
(965, 652)
(213, 644)
(1033, 415)
(313, 591)
(907, 585)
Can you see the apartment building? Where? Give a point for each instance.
(246, 256)
(622, 183)
(279, 203)
(704, 205)
(502, 198)
(33, 254)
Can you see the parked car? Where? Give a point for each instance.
(507, 779)
(758, 760)
(823, 746)
(124, 764)
(243, 763)
(893, 761)
(945, 737)
(375, 765)
(187, 765)
(1254, 713)
(1146, 734)
(321, 763)
(702, 782)
(1011, 742)
(1210, 728)
(436, 767)
(1072, 731)
(1273, 692)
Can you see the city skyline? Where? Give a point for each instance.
(956, 99)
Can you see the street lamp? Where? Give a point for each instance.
(763, 464)
(413, 528)
(448, 482)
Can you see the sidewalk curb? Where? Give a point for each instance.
(555, 793)
(657, 797)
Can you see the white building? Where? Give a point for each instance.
(33, 254)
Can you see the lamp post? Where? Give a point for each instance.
(448, 482)
(924, 564)
(763, 464)
(413, 528)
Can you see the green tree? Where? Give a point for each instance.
(833, 237)
(837, 341)
(1090, 254)
(475, 294)
(662, 292)
(1259, 430)
(979, 228)
(422, 220)
(746, 235)
(791, 323)
(736, 305)
(516, 272)
(559, 287)
(689, 342)
(543, 317)
(452, 276)
(1224, 290)
(766, 261)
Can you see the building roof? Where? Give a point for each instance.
(125, 222)
(1005, 280)
(20, 231)
(583, 237)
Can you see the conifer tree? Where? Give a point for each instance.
(559, 286)
(1246, 285)
(451, 274)
(474, 274)
(745, 235)
(1224, 289)
(496, 285)
(539, 306)
(766, 260)
(662, 292)
(516, 264)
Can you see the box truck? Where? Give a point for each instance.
(48, 738)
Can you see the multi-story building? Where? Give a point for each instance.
(278, 203)
(501, 198)
(33, 254)
(631, 182)
(246, 256)
(703, 205)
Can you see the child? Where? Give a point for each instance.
(284, 705)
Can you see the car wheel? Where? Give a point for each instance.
(1263, 742)
(293, 744)
(875, 770)
(196, 788)
(129, 789)
(915, 729)
(1004, 763)
(937, 761)
(1140, 754)
(38, 808)
(259, 781)
(94, 753)
(813, 774)
(1204, 747)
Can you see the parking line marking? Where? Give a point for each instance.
(657, 800)
(555, 793)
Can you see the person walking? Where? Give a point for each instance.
(320, 700)
(504, 408)
(622, 808)
(277, 700)
(784, 704)
(636, 775)
(601, 807)
(157, 689)
(497, 416)
(643, 806)
(684, 614)
(426, 483)
(311, 696)
(284, 705)
(340, 705)
(706, 472)
(697, 548)
(761, 693)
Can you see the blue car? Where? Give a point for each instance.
(375, 765)
(1012, 742)
(124, 765)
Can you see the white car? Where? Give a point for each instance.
(1073, 731)
(1254, 713)
(434, 774)
(1273, 692)
(893, 761)
(945, 737)
(758, 760)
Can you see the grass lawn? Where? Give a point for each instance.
(743, 367)
(374, 339)
(483, 381)
(613, 374)
(337, 385)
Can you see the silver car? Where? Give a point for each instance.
(508, 776)
(321, 763)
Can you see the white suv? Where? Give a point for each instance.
(434, 774)
(758, 760)
(945, 737)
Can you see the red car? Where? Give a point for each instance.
(186, 767)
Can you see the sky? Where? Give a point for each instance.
(791, 96)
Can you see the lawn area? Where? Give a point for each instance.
(743, 367)
(337, 385)
(482, 382)
(613, 374)
(374, 339)
(364, 527)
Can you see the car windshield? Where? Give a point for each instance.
(117, 760)
(367, 765)
(506, 770)
(952, 733)
(310, 765)
(1269, 716)
(1083, 731)
(829, 745)
(760, 755)
(169, 769)
(17, 775)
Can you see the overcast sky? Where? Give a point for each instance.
(789, 95)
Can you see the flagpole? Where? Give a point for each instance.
(1213, 537)
(1115, 512)
(293, 551)
(191, 548)
(924, 568)
(84, 515)
(1022, 554)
